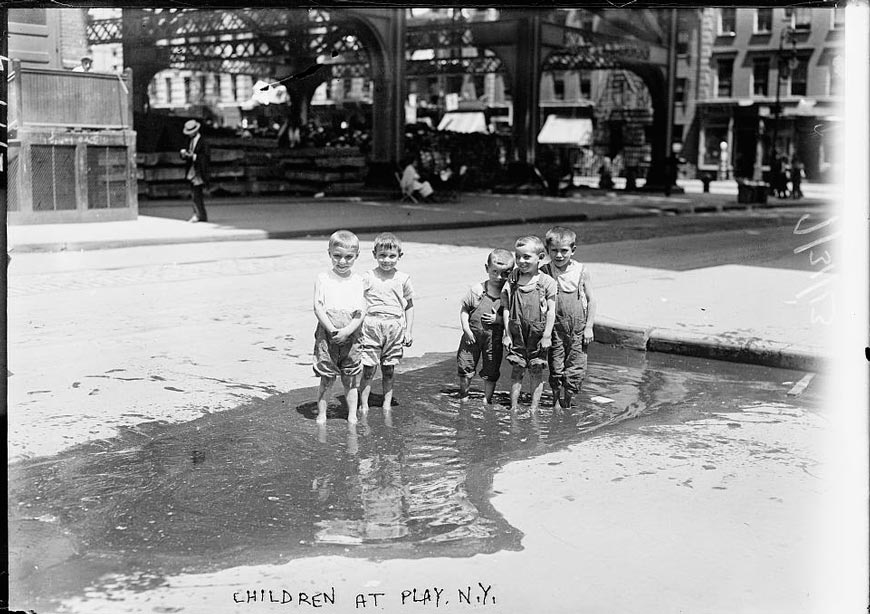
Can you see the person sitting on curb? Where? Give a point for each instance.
(412, 185)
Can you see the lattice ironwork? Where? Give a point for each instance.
(454, 66)
(584, 49)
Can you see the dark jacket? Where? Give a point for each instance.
(201, 152)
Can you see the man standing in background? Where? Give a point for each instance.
(196, 170)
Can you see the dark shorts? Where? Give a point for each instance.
(487, 346)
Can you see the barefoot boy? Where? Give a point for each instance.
(389, 319)
(529, 302)
(340, 306)
(483, 327)
(575, 315)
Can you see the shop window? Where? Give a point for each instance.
(713, 136)
(760, 76)
(168, 83)
(798, 79)
(727, 22)
(763, 21)
(37, 17)
(724, 77)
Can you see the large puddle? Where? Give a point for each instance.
(262, 484)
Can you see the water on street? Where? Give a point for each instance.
(262, 484)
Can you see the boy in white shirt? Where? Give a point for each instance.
(340, 307)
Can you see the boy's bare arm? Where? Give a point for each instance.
(547, 335)
(591, 309)
(506, 336)
(320, 309)
(409, 322)
(465, 324)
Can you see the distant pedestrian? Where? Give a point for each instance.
(196, 169)
(340, 307)
(412, 184)
(605, 174)
(483, 326)
(575, 316)
(389, 322)
(782, 176)
(529, 303)
(797, 176)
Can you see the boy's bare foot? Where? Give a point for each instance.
(321, 418)
(533, 409)
(388, 418)
(364, 409)
(351, 418)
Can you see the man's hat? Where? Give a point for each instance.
(191, 127)
(87, 58)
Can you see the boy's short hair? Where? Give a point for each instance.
(345, 239)
(530, 240)
(560, 234)
(502, 255)
(387, 240)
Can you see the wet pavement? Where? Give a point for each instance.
(262, 484)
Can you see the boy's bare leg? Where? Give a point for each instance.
(351, 393)
(488, 390)
(464, 385)
(557, 397)
(387, 373)
(325, 385)
(516, 386)
(567, 400)
(365, 387)
(536, 382)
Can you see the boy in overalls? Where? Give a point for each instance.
(482, 326)
(575, 315)
(529, 302)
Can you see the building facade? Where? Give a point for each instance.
(769, 85)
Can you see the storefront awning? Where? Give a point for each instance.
(566, 131)
(466, 122)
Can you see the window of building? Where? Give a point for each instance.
(763, 21)
(798, 79)
(234, 84)
(724, 77)
(559, 87)
(680, 91)
(31, 16)
(727, 22)
(203, 82)
(683, 41)
(168, 83)
(760, 76)
(188, 94)
(838, 19)
(799, 18)
(586, 84)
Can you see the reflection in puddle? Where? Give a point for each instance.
(263, 484)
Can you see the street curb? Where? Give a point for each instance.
(257, 234)
(747, 350)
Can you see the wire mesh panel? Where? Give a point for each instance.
(107, 177)
(54, 180)
(12, 180)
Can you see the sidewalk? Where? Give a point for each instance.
(737, 313)
(281, 217)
